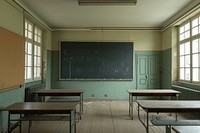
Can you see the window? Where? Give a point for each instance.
(189, 50)
(33, 49)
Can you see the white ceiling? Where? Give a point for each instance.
(64, 14)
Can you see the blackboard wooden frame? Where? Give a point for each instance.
(96, 60)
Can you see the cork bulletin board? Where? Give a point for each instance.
(12, 59)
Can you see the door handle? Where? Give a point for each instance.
(146, 76)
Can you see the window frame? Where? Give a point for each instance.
(190, 40)
(33, 75)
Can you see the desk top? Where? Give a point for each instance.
(42, 107)
(169, 105)
(59, 92)
(154, 92)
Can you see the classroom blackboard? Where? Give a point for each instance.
(96, 60)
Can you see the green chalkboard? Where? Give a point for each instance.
(96, 60)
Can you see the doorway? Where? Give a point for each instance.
(148, 71)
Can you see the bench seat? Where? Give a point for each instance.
(186, 129)
(169, 123)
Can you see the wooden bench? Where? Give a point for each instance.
(169, 123)
(186, 129)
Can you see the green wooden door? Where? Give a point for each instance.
(148, 71)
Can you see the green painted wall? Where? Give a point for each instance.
(145, 42)
(166, 68)
(116, 90)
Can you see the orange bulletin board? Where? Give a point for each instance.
(12, 59)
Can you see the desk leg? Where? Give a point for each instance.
(20, 124)
(129, 102)
(168, 129)
(81, 105)
(9, 131)
(143, 122)
(74, 121)
(147, 127)
(70, 122)
(131, 106)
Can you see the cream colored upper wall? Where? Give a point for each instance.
(167, 39)
(143, 40)
(11, 18)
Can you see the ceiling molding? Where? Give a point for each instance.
(184, 14)
(108, 29)
(32, 13)
(106, 2)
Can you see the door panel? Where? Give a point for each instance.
(154, 71)
(148, 71)
(142, 71)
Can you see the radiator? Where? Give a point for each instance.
(29, 92)
(187, 93)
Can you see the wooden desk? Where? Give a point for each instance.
(166, 106)
(62, 92)
(42, 108)
(163, 92)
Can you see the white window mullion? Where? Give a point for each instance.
(189, 32)
(33, 42)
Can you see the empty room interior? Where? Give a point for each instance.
(100, 66)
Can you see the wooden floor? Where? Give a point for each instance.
(99, 117)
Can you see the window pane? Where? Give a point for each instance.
(39, 51)
(195, 60)
(195, 22)
(182, 49)
(38, 61)
(29, 34)
(29, 48)
(29, 60)
(26, 33)
(35, 38)
(199, 29)
(39, 39)
(29, 72)
(187, 61)
(195, 74)
(182, 61)
(30, 28)
(187, 26)
(181, 29)
(199, 20)
(195, 31)
(187, 74)
(187, 48)
(187, 34)
(35, 72)
(35, 61)
(35, 50)
(195, 46)
(25, 73)
(26, 62)
(182, 73)
(38, 71)
(181, 36)
(26, 47)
